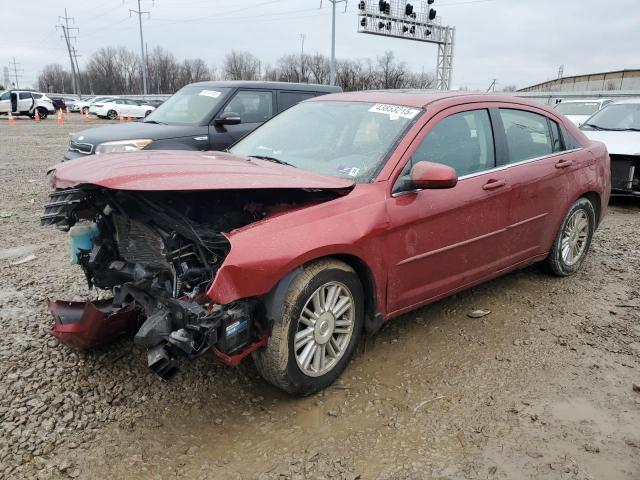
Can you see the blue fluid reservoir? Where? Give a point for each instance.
(82, 238)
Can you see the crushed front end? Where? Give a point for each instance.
(158, 253)
(625, 174)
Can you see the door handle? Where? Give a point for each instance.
(564, 163)
(493, 183)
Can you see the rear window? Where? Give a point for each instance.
(289, 99)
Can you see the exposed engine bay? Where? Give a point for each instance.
(625, 174)
(158, 253)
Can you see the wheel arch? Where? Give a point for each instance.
(273, 300)
(596, 201)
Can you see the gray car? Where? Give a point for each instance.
(200, 116)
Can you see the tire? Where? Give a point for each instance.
(568, 263)
(147, 113)
(44, 113)
(280, 363)
(85, 110)
(112, 115)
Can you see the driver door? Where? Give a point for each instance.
(441, 241)
(254, 107)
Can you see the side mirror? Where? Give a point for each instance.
(432, 175)
(228, 118)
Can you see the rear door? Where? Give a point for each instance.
(536, 165)
(254, 108)
(25, 101)
(444, 240)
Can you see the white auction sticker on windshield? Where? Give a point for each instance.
(210, 93)
(395, 111)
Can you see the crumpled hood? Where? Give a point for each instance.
(179, 170)
(618, 143)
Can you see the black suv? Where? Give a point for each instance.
(200, 116)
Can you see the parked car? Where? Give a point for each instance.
(121, 107)
(79, 104)
(579, 110)
(618, 127)
(93, 105)
(25, 102)
(85, 105)
(337, 215)
(200, 116)
(58, 103)
(154, 103)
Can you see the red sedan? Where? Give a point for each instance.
(335, 216)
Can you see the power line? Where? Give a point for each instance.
(142, 55)
(65, 30)
(15, 71)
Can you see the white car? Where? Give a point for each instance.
(92, 107)
(579, 110)
(618, 127)
(120, 107)
(25, 102)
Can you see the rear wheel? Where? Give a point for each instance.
(44, 113)
(322, 320)
(85, 110)
(147, 113)
(112, 115)
(574, 238)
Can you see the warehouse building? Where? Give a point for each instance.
(608, 81)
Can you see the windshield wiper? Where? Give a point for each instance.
(595, 127)
(154, 121)
(272, 159)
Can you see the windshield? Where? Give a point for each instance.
(344, 139)
(616, 116)
(578, 108)
(191, 105)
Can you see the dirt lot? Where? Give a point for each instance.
(540, 388)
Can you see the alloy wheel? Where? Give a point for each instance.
(574, 237)
(324, 329)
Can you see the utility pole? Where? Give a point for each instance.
(142, 55)
(301, 78)
(75, 57)
(65, 30)
(332, 80)
(492, 86)
(15, 71)
(561, 72)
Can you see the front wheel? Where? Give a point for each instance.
(574, 238)
(44, 113)
(323, 314)
(147, 113)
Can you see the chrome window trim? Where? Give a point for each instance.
(495, 169)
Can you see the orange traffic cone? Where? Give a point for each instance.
(12, 120)
(60, 119)
(37, 116)
(121, 119)
(87, 117)
(129, 118)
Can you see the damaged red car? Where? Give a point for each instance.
(335, 216)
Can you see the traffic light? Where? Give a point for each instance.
(363, 22)
(408, 10)
(432, 14)
(361, 5)
(384, 7)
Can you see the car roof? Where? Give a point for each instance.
(303, 87)
(581, 100)
(628, 100)
(423, 98)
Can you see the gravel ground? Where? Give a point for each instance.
(542, 387)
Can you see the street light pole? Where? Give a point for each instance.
(332, 80)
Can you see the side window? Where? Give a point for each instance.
(24, 95)
(570, 141)
(131, 102)
(289, 99)
(36, 95)
(118, 102)
(528, 135)
(464, 141)
(5, 96)
(556, 139)
(252, 106)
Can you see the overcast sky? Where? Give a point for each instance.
(519, 42)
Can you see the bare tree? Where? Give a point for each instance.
(54, 78)
(241, 66)
(509, 88)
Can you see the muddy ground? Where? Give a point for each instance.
(540, 388)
